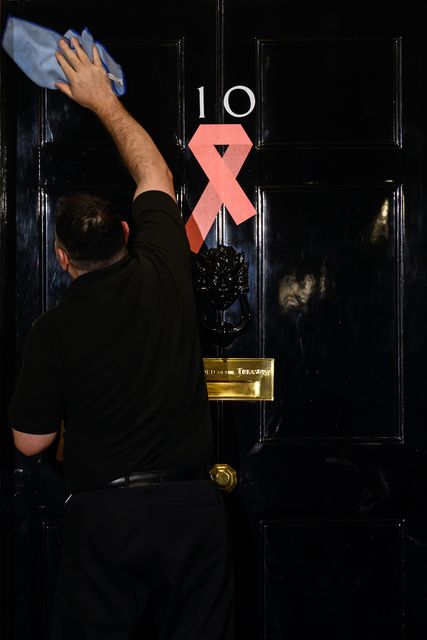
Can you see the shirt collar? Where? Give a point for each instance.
(106, 275)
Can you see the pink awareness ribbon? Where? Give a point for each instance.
(223, 187)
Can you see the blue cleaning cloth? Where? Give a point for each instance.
(33, 48)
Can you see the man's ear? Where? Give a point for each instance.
(125, 228)
(63, 258)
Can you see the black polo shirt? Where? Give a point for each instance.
(119, 361)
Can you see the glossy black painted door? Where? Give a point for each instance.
(332, 473)
(328, 521)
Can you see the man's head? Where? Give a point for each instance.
(89, 234)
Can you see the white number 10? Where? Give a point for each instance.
(227, 107)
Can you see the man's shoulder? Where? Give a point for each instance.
(155, 200)
(46, 324)
(159, 228)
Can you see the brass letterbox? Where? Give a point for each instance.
(240, 378)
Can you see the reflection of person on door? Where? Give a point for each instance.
(119, 360)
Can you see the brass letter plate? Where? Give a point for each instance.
(240, 378)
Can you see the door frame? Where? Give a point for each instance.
(6, 347)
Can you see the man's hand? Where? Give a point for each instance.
(88, 85)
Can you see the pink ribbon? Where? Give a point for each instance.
(223, 187)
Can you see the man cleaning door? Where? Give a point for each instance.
(119, 361)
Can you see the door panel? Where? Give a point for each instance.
(327, 520)
(333, 299)
(335, 91)
(333, 570)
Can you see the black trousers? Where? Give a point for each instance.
(162, 548)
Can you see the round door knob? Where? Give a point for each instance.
(224, 476)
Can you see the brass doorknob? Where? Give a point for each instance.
(224, 476)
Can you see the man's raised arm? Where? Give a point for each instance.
(90, 87)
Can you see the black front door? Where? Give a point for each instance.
(327, 519)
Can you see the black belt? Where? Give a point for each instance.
(148, 478)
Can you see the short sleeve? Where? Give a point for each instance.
(36, 405)
(159, 227)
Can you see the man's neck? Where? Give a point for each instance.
(76, 271)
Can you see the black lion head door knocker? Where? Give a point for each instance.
(221, 280)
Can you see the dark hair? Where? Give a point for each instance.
(89, 229)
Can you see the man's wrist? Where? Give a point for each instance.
(107, 107)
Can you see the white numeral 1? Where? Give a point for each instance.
(201, 102)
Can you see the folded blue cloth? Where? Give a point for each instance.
(33, 48)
